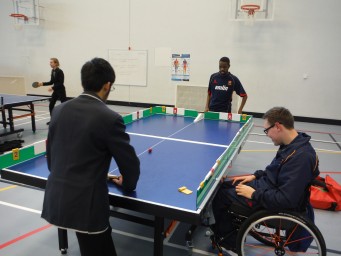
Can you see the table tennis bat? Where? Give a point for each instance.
(35, 85)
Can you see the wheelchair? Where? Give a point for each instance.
(280, 233)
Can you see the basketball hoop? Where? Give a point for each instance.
(250, 9)
(19, 16)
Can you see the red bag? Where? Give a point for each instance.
(325, 193)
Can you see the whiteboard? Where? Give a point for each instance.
(130, 66)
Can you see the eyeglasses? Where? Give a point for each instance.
(112, 88)
(267, 129)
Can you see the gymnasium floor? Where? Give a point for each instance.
(24, 233)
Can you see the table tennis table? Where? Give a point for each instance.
(184, 153)
(12, 102)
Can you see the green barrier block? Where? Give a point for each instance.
(147, 112)
(212, 115)
(190, 113)
(128, 119)
(158, 110)
(24, 155)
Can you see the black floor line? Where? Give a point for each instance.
(337, 143)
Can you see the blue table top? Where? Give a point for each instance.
(183, 153)
(9, 99)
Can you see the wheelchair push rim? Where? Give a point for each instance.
(281, 234)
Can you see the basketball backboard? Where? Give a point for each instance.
(243, 10)
(26, 12)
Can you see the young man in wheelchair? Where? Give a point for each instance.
(283, 185)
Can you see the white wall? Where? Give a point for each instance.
(270, 58)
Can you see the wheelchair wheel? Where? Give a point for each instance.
(266, 233)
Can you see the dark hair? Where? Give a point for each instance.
(281, 115)
(225, 59)
(96, 73)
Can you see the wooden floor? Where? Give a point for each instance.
(24, 233)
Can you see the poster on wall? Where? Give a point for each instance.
(130, 66)
(180, 67)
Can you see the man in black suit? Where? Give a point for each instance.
(84, 135)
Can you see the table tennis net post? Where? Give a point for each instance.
(199, 117)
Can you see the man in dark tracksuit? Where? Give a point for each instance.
(84, 135)
(57, 80)
(221, 87)
(283, 183)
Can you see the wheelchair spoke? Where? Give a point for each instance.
(291, 233)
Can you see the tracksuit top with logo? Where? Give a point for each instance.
(220, 88)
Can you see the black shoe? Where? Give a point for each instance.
(48, 123)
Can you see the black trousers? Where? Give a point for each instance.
(57, 95)
(224, 198)
(222, 109)
(96, 244)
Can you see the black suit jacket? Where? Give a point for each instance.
(57, 79)
(84, 135)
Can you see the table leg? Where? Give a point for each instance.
(189, 237)
(10, 119)
(33, 120)
(158, 235)
(3, 113)
(63, 241)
